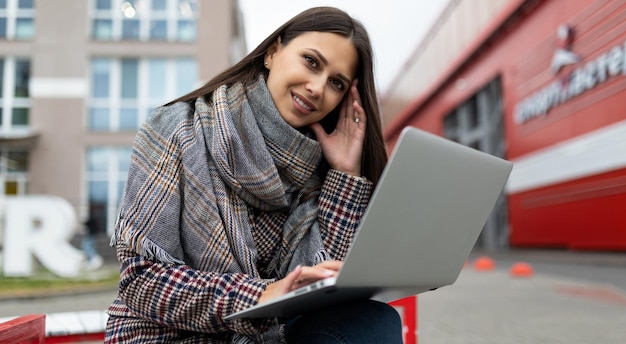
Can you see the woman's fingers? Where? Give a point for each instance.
(334, 265)
(282, 286)
(293, 276)
(315, 273)
(347, 107)
(299, 277)
(359, 113)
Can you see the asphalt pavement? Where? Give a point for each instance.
(569, 297)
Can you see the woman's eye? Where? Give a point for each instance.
(311, 61)
(337, 84)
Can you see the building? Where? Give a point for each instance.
(540, 83)
(77, 79)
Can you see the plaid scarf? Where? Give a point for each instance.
(194, 185)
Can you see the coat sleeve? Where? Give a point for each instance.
(188, 299)
(157, 283)
(342, 203)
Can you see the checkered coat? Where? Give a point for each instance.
(222, 200)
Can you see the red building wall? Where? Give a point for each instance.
(564, 129)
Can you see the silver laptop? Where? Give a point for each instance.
(420, 226)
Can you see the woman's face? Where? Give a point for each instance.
(309, 76)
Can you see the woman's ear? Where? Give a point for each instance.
(271, 51)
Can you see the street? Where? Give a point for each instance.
(570, 298)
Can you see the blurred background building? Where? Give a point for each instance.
(543, 84)
(78, 77)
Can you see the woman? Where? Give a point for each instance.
(252, 186)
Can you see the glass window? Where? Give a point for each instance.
(13, 172)
(451, 126)
(128, 119)
(186, 71)
(478, 123)
(3, 27)
(24, 28)
(25, 4)
(159, 5)
(22, 75)
(157, 72)
(129, 78)
(187, 8)
(17, 161)
(130, 29)
(186, 30)
(1, 80)
(17, 19)
(99, 119)
(123, 159)
(97, 160)
(100, 76)
(3, 19)
(158, 30)
(124, 91)
(103, 4)
(14, 95)
(103, 29)
(20, 116)
(98, 191)
(472, 113)
(144, 20)
(107, 171)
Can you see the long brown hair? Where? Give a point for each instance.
(319, 19)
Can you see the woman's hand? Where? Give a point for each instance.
(343, 147)
(299, 277)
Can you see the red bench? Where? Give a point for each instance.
(25, 329)
(408, 311)
(76, 327)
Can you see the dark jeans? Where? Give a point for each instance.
(361, 322)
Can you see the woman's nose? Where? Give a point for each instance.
(315, 86)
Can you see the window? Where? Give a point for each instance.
(144, 20)
(125, 91)
(14, 97)
(17, 19)
(107, 170)
(478, 123)
(13, 172)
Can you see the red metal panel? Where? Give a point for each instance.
(587, 213)
(24, 329)
(76, 338)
